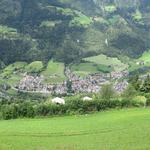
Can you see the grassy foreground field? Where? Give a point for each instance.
(111, 130)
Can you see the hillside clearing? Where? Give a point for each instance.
(54, 72)
(108, 61)
(145, 57)
(86, 68)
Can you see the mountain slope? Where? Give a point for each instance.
(40, 30)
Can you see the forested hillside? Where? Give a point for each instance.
(68, 30)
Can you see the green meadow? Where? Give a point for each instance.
(108, 61)
(126, 129)
(34, 67)
(54, 72)
(86, 68)
(145, 56)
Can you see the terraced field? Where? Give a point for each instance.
(111, 130)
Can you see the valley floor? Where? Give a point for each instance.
(126, 129)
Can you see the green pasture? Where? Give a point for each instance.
(108, 61)
(145, 56)
(126, 129)
(144, 59)
(11, 74)
(86, 68)
(34, 67)
(54, 72)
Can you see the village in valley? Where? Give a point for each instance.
(90, 84)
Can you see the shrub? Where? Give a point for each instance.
(127, 103)
(26, 110)
(129, 93)
(141, 100)
(135, 102)
(9, 112)
(107, 92)
(106, 104)
(147, 95)
(42, 109)
(50, 109)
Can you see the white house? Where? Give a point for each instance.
(58, 100)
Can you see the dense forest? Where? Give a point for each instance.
(68, 30)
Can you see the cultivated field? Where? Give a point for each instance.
(111, 130)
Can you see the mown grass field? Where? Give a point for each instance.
(111, 130)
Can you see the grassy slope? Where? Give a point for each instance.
(34, 67)
(108, 61)
(86, 68)
(8, 76)
(112, 130)
(12, 74)
(99, 63)
(54, 68)
(145, 56)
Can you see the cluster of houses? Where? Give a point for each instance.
(115, 75)
(121, 86)
(31, 83)
(89, 84)
(93, 82)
